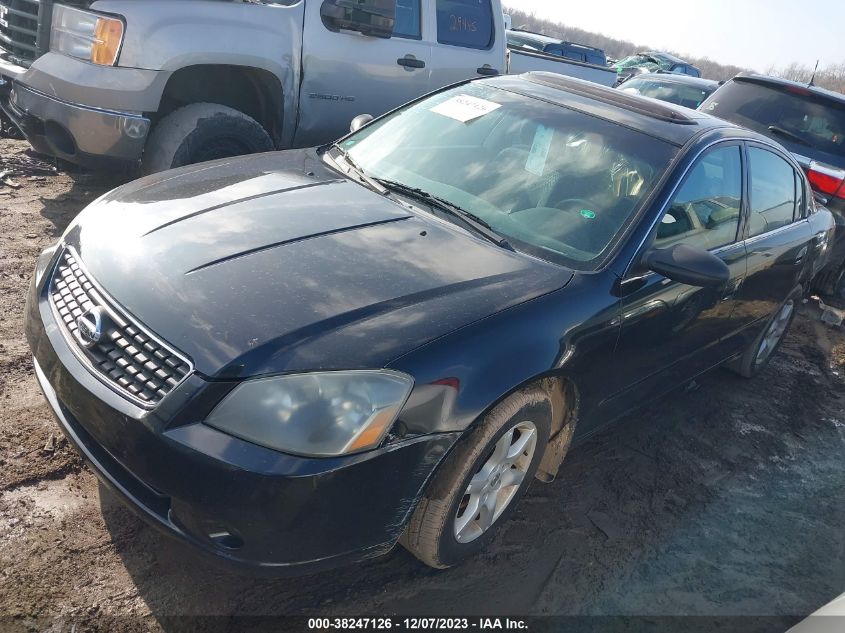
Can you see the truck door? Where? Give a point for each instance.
(468, 40)
(346, 73)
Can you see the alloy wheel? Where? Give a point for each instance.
(775, 332)
(494, 485)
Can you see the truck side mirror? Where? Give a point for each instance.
(360, 121)
(370, 17)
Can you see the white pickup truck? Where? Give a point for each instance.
(173, 82)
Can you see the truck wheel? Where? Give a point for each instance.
(201, 132)
(481, 481)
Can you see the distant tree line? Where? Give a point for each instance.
(830, 77)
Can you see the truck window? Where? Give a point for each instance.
(408, 20)
(466, 23)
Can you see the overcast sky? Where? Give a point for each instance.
(749, 33)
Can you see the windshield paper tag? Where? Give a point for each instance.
(536, 162)
(465, 108)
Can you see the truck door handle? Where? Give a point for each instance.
(487, 71)
(410, 62)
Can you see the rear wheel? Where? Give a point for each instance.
(482, 480)
(758, 354)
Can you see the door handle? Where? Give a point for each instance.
(410, 62)
(487, 71)
(801, 256)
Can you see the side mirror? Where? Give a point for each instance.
(689, 265)
(360, 121)
(370, 17)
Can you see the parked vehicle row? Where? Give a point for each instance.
(118, 82)
(807, 120)
(296, 360)
(519, 38)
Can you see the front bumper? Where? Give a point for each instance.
(240, 502)
(80, 134)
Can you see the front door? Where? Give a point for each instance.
(346, 73)
(672, 331)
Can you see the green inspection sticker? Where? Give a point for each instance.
(588, 214)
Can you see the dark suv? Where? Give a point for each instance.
(810, 122)
(551, 46)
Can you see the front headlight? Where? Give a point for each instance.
(320, 415)
(86, 35)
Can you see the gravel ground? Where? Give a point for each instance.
(726, 498)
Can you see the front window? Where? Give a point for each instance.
(408, 20)
(706, 209)
(555, 182)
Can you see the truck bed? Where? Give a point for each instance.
(523, 60)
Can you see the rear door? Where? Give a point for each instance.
(346, 73)
(779, 238)
(468, 40)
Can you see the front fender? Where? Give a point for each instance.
(568, 334)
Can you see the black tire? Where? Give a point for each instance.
(201, 132)
(749, 364)
(430, 534)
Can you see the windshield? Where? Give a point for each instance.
(554, 182)
(633, 60)
(673, 92)
(791, 114)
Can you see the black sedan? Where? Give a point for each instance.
(299, 359)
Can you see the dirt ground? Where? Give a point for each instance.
(726, 498)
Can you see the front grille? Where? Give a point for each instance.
(23, 25)
(127, 357)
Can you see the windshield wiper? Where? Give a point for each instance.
(479, 225)
(359, 172)
(774, 129)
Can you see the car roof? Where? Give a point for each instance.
(676, 78)
(786, 83)
(537, 37)
(668, 122)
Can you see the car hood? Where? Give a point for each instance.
(277, 263)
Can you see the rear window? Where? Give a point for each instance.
(790, 115)
(466, 23)
(672, 92)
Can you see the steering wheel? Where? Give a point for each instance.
(570, 204)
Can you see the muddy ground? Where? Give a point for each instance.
(726, 498)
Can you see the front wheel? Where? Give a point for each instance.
(201, 132)
(477, 487)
